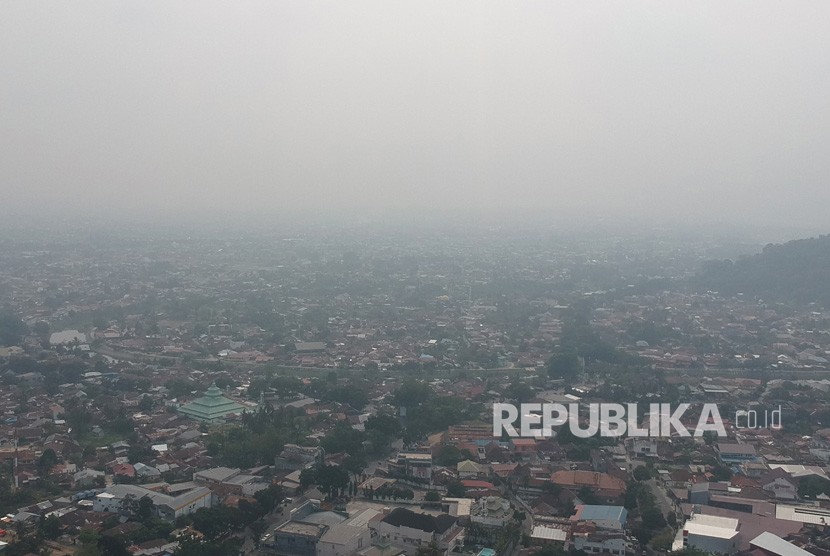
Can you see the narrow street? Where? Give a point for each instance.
(661, 498)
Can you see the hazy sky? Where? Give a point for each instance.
(686, 111)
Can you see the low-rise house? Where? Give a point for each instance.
(469, 469)
(523, 446)
(780, 487)
(605, 486)
(87, 478)
(736, 453)
(604, 517)
(146, 472)
(215, 475)
(118, 497)
(296, 457)
(589, 538)
(417, 465)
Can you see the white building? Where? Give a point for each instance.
(604, 517)
(492, 511)
(710, 533)
(410, 530)
(348, 537)
(591, 539)
(546, 534)
(167, 507)
(782, 489)
(773, 544)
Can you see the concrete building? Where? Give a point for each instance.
(302, 533)
(605, 517)
(215, 475)
(294, 456)
(543, 534)
(736, 453)
(710, 533)
(349, 537)
(491, 511)
(414, 464)
(296, 538)
(410, 530)
(86, 478)
(115, 498)
(591, 539)
(773, 545)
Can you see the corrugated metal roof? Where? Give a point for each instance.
(775, 544)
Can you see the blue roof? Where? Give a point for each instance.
(486, 441)
(592, 512)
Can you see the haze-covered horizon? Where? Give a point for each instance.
(643, 114)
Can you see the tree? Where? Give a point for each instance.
(113, 546)
(550, 550)
(587, 495)
(178, 387)
(353, 395)
(88, 536)
(80, 420)
(308, 477)
(432, 496)
(146, 403)
(269, 498)
(564, 364)
(258, 527)
(812, 485)
(430, 549)
(223, 383)
(343, 438)
(642, 473)
(663, 541)
(519, 391)
(332, 479)
(46, 461)
(448, 456)
(652, 518)
(709, 437)
(51, 527)
(721, 473)
(41, 328)
(12, 329)
(386, 424)
(456, 490)
(213, 522)
(412, 393)
(191, 547)
(144, 509)
(632, 494)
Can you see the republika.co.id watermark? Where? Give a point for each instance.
(539, 420)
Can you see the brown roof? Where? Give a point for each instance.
(590, 479)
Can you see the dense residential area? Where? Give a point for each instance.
(263, 401)
(414, 278)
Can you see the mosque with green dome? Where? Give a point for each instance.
(213, 407)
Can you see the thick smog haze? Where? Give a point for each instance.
(427, 278)
(694, 113)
